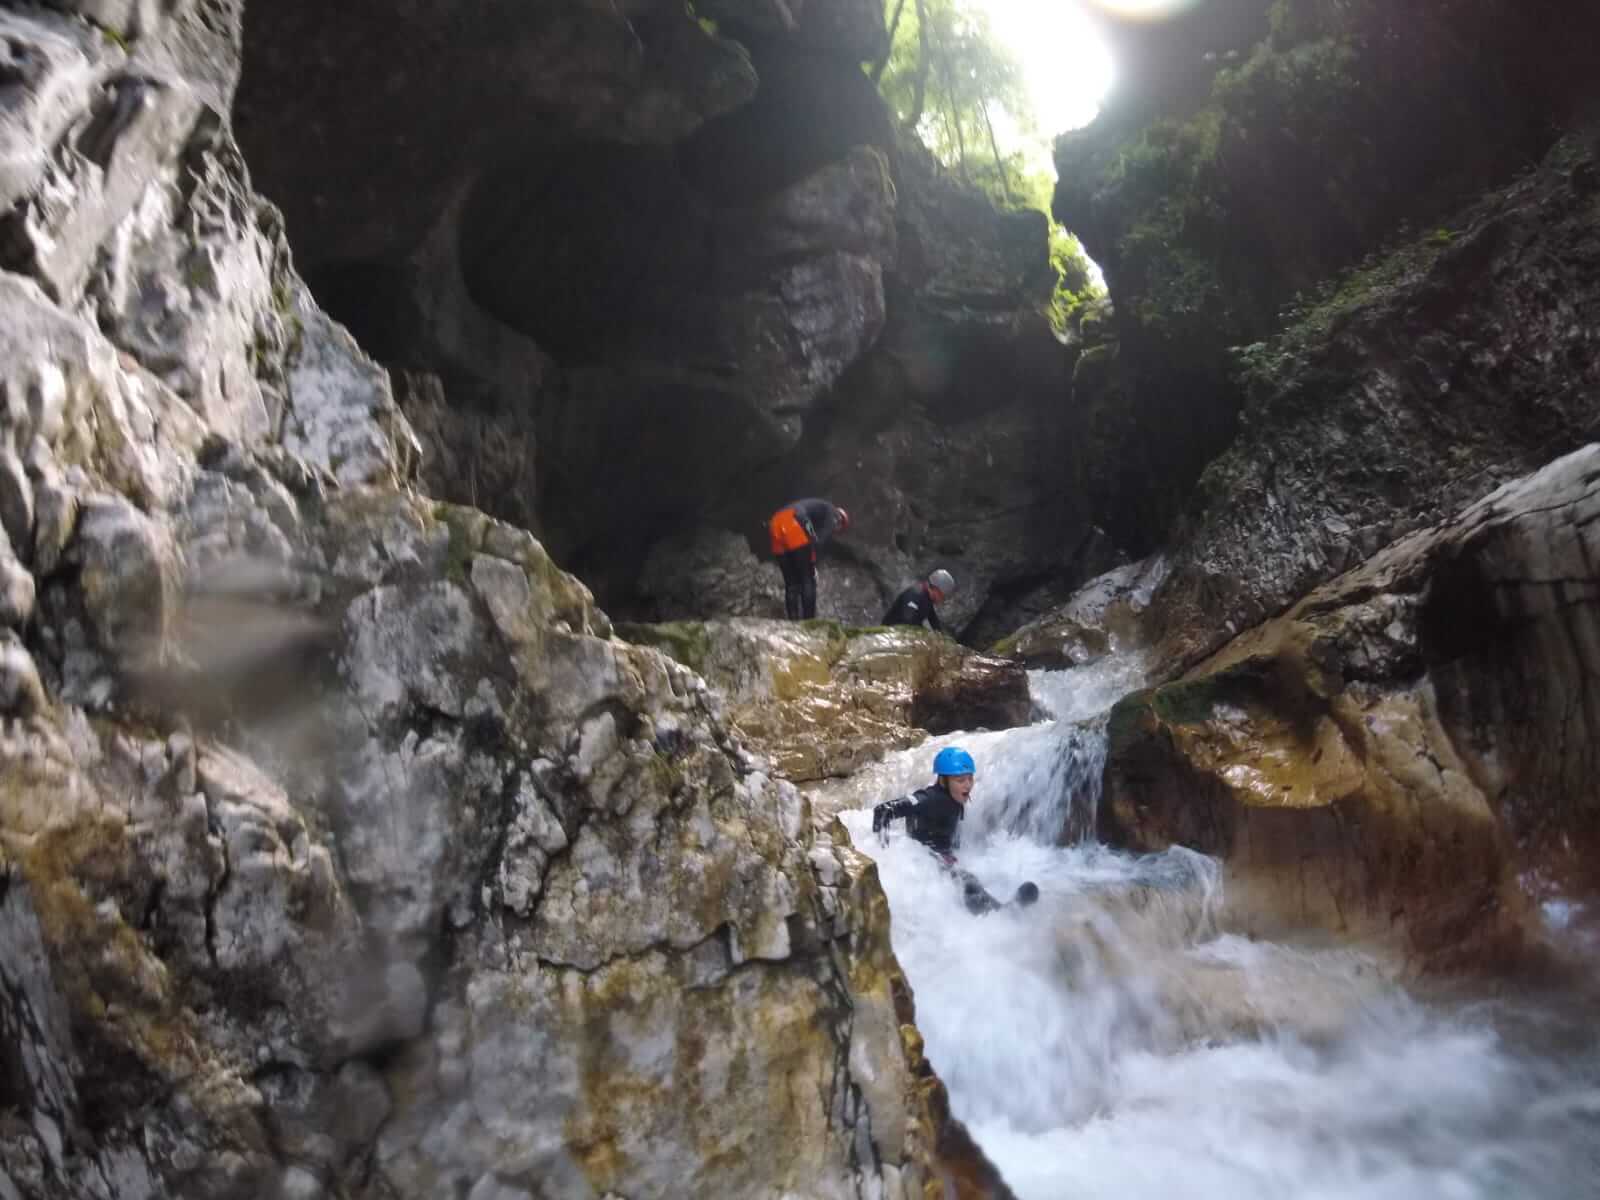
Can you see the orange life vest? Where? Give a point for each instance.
(787, 532)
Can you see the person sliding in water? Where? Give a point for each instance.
(933, 817)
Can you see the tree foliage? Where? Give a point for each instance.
(950, 81)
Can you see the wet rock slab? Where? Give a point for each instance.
(823, 699)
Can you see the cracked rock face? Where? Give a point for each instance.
(1407, 755)
(343, 849)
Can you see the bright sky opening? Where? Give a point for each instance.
(1064, 60)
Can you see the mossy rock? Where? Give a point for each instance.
(687, 642)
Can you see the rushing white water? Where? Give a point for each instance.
(1111, 1041)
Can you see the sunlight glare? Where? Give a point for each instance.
(1143, 10)
(1064, 59)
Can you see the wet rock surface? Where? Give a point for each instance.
(1103, 617)
(343, 850)
(823, 700)
(1454, 365)
(1406, 754)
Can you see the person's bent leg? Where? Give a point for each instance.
(974, 894)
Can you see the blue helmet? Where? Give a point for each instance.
(953, 760)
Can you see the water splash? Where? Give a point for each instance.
(1114, 1041)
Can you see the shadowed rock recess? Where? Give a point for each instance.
(343, 849)
(643, 276)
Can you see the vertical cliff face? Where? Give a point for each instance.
(1272, 148)
(664, 274)
(343, 849)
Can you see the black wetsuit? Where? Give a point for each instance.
(912, 607)
(932, 816)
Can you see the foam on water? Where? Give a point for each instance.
(1110, 1041)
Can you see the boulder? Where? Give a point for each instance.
(823, 700)
(1379, 762)
(709, 572)
(1103, 617)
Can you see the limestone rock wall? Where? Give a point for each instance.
(1458, 362)
(1407, 755)
(1255, 151)
(343, 849)
(647, 276)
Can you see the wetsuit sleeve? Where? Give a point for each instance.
(933, 619)
(818, 518)
(893, 810)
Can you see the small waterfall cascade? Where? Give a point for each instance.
(1113, 1041)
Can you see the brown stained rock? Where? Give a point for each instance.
(822, 700)
(1355, 817)
(981, 692)
(134, 1041)
(1408, 755)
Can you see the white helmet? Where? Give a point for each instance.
(942, 580)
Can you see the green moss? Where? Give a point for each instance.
(1123, 721)
(838, 634)
(851, 632)
(688, 642)
(1311, 320)
(1186, 702)
(463, 544)
(282, 296)
(199, 273)
(665, 775)
(115, 37)
(1005, 647)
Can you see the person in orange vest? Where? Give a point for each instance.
(797, 530)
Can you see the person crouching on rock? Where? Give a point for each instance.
(933, 814)
(918, 604)
(797, 530)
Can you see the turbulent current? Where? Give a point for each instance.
(1114, 1041)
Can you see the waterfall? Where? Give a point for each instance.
(1114, 1041)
